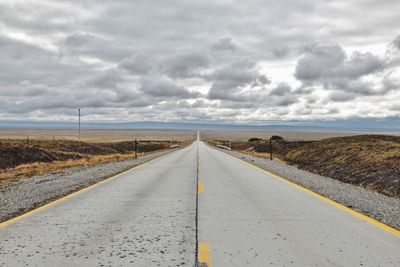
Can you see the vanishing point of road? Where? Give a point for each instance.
(196, 204)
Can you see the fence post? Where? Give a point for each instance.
(270, 148)
(136, 148)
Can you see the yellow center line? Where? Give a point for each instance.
(330, 201)
(204, 255)
(200, 186)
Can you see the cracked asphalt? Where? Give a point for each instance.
(147, 217)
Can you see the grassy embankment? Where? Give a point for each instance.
(22, 159)
(370, 161)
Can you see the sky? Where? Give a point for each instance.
(250, 61)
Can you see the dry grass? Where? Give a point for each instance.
(41, 168)
(20, 159)
(370, 161)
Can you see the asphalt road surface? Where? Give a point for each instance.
(152, 216)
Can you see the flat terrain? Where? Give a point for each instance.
(246, 135)
(98, 135)
(147, 217)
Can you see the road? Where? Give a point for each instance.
(152, 216)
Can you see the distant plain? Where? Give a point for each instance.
(93, 135)
(287, 135)
(98, 135)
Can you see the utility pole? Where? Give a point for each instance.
(79, 124)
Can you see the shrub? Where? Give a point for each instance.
(255, 139)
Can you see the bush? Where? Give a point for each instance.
(255, 139)
(277, 138)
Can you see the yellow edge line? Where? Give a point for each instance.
(200, 187)
(67, 197)
(204, 254)
(330, 201)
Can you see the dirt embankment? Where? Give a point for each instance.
(370, 161)
(22, 159)
(15, 153)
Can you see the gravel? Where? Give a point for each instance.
(24, 195)
(375, 205)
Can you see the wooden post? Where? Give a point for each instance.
(270, 148)
(136, 148)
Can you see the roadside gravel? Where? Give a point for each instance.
(26, 194)
(375, 205)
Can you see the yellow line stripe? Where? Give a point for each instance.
(200, 187)
(204, 254)
(67, 197)
(330, 201)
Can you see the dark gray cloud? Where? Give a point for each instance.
(281, 90)
(213, 60)
(105, 79)
(331, 67)
(330, 64)
(78, 39)
(184, 64)
(225, 44)
(138, 64)
(396, 42)
(228, 82)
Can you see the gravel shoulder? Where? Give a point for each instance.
(24, 195)
(375, 205)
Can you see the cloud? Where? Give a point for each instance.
(213, 60)
(78, 39)
(184, 64)
(396, 42)
(330, 63)
(331, 67)
(281, 90)
(225, 44)
(160, 87)
(137, 64)
(228, 82)
(105, 79)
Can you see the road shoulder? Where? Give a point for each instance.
(27, 194)
(372, 204)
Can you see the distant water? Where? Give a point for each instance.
(361, 125)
